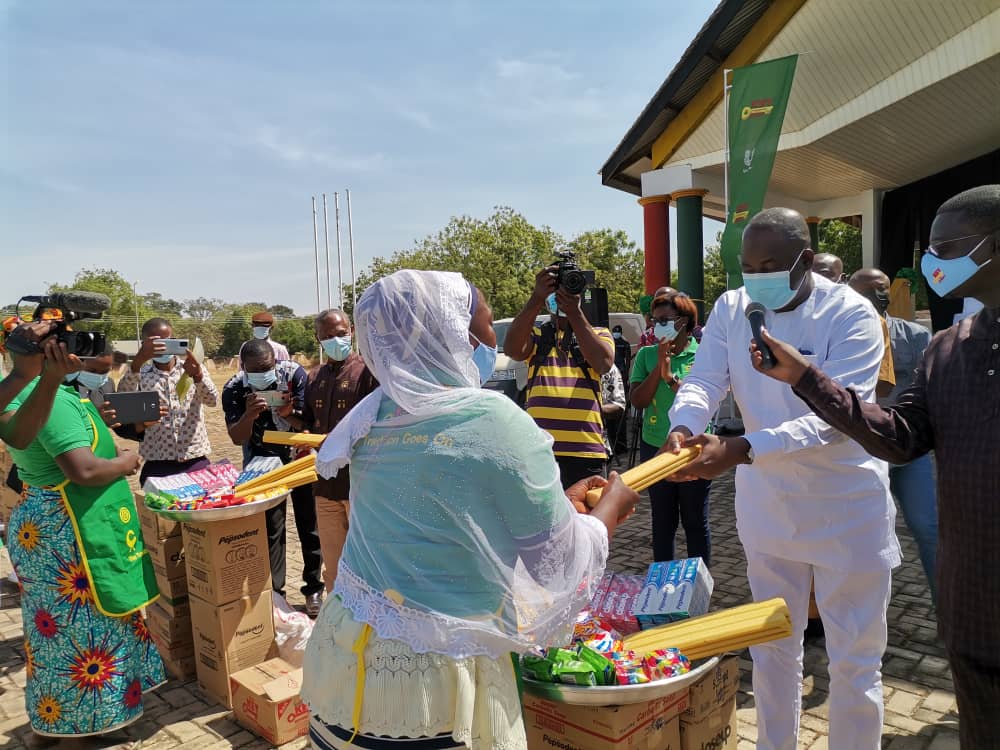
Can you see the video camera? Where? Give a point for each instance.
(571, 277)
(64, 308)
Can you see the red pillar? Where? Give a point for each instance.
(656, 237)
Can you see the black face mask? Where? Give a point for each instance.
(880, 299)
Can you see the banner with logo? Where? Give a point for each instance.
(757, 101)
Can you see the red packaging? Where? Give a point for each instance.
(615, 608)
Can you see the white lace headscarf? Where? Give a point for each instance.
(412, 329)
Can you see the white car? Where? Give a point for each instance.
(511, 377)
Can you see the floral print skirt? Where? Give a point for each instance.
(86, 672)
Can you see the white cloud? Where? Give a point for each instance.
(300, 152)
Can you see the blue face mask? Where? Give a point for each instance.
(261, 332)
(773, 290)
(553, 306)
(164, 359)
(261, 381)
(485, 359)
(945, 276)
(91, 380)
(337, 348)
(666, 332)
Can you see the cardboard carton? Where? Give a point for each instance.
(181, 668)
(171, 631)
(227, 560)
(713, 690)
(174, 590)
(229, 638)
(153, 525)
(168, 557)
(266, 701)
(717, 730)
(179, 607)
(651, 725)
(673, 591)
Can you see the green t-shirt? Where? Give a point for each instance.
(655, 425)
(67, 428)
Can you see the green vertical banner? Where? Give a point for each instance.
(757, 101)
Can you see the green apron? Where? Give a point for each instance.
(106, 526)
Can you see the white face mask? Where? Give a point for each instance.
(666, 332)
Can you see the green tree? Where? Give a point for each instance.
(502, 253)
(296, 334)
(120, 319)
(617, 262)
(163, 306)
(843, 240)
(203, 308)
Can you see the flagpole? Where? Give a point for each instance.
(725, 115)
(316, 254)
(326, 242)
(340, 262)
(350, 240)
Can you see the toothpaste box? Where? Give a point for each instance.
(673, 591)
(617, 595)
(178, 485)
(258, 466)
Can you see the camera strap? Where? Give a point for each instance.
(546, 342)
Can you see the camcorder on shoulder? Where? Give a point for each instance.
(63, 309)
(571, 277)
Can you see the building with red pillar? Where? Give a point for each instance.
(892, 111)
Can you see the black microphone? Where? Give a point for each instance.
(75, 300)
(755, 314)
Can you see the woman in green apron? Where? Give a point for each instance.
(77, 549)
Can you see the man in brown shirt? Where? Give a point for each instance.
(953, 408)
(332, 391)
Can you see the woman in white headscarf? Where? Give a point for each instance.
(463, 547)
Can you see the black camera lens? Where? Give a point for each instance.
(574, 282)
(83, 343)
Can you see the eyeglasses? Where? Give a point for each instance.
(935, 250)
(665, 321)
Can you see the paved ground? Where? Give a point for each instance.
(920, 705)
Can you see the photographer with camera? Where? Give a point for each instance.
(54, 363)
(73, 544)
(179, 441)
(566, 359)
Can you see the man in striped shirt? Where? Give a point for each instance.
(566, 359)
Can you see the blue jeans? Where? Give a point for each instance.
(915, 490)
(673, 501)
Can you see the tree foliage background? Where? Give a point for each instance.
(500, 254)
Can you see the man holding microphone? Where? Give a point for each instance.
(809, 502)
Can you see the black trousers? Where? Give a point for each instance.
(572, 470)
(977, 689)
(304, 507)
(671, 502)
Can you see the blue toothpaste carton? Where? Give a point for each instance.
(673, 591)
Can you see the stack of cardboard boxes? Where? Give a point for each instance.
(229, 585)
(710, 719)
(702, 717)
(169, 617)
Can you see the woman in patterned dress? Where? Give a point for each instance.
(86, 670)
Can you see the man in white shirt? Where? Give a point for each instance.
(810, 503)
(262, 323)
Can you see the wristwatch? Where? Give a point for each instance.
(750, 455)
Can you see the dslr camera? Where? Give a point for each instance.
(63, 309)
(571, 277)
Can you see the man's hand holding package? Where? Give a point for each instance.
(718, 454)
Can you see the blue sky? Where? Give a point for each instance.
(180, 142)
